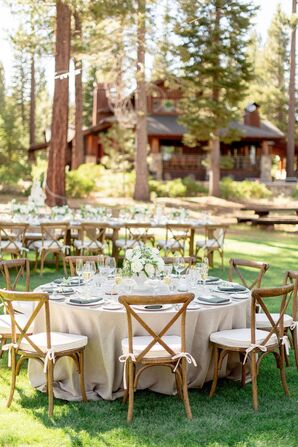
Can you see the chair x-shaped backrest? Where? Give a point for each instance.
(292, 277)
(21, 268)
(261, 267)
(277, 327)
(19, 333)
(54, 234)
(129, 301)
(93, 235)
(179, 234)
(138, 233)
(13, 234)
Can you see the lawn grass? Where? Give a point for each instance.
(159, 421)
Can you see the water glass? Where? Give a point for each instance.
(179, 264)
(79, 267)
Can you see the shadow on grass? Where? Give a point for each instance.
(226, 420)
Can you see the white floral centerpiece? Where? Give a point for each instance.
(143, 261)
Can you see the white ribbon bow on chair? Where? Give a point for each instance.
(8, 347)
(123, 359)
(186, 355)
(286, 342)
(50, 355)
(293, 325)
(251, 348)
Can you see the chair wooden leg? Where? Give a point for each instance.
(185, 389)
(253, 368)
(50, 387)
(82, 376)
(42, 258)
(243, 371)
(178, 379)
(282, 370)
(125, 395)
(130, 391)
(36, 260)
(13, 378)
(215, 371)
(295, 344)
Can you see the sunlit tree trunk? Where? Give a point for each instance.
(32, 125)
(141, 186)
(55, 187)
(292, 99)
(78, 143)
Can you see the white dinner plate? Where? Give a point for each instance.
(96, 303)
(193, 306)
(214, 304)
(57, 297)
(112, 306)
(145, 307)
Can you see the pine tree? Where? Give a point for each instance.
(214, 67)
(269, 87)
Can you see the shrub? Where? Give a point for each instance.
(295, 193)
(243, 190)
(186, 187)
(82, 181)
(12, 176)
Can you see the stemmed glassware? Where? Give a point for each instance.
(79, 268)
(179, 265)
(110, 265)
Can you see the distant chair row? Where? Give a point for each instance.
(57, 240)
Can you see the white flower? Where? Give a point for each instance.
(160, 264)
(136, 266)
(129, 254)
(149, 269)
(155, 251)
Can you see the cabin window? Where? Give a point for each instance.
(252, 155)
(167, 152)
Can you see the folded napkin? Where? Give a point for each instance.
(47, 289)
(212, 279)
(58, 280)
(153, 306)
(84, 300)
(214, 299)
(232, 288)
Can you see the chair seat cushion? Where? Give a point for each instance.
(210, 243)
(170, 244)
(241, 338)
(47, 245)
(91, 245)
(262, 321)
(60, 342)
(6, 245)
(129, 243)
(5, 323)
(157, 351)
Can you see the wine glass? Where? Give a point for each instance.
(79, 268)
(110, 265)
(179, 265)
(155, 280)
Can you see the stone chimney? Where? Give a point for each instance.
(251, 115)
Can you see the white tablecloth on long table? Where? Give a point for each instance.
(105, 330)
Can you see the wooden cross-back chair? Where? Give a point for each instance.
(135, 235)
(46, 347)
(214, 241)
(255, 343)
(53, 241)
(176, 239)
(13, 271)
(71, 260)
(236, 264)
(155, 349)
(12, 239)
(291, 323)
(91, 238)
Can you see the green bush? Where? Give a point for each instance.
(243, 190)
(80, 182)
(185, 187)
(295, 193)
(12, 175)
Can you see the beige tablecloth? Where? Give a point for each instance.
(105, 330)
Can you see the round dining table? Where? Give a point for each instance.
(105, 326)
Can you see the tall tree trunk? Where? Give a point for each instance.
(55, 187)
(32, 108)
(78, 143)
(214, 173)
(141, 191)
(292, 102)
